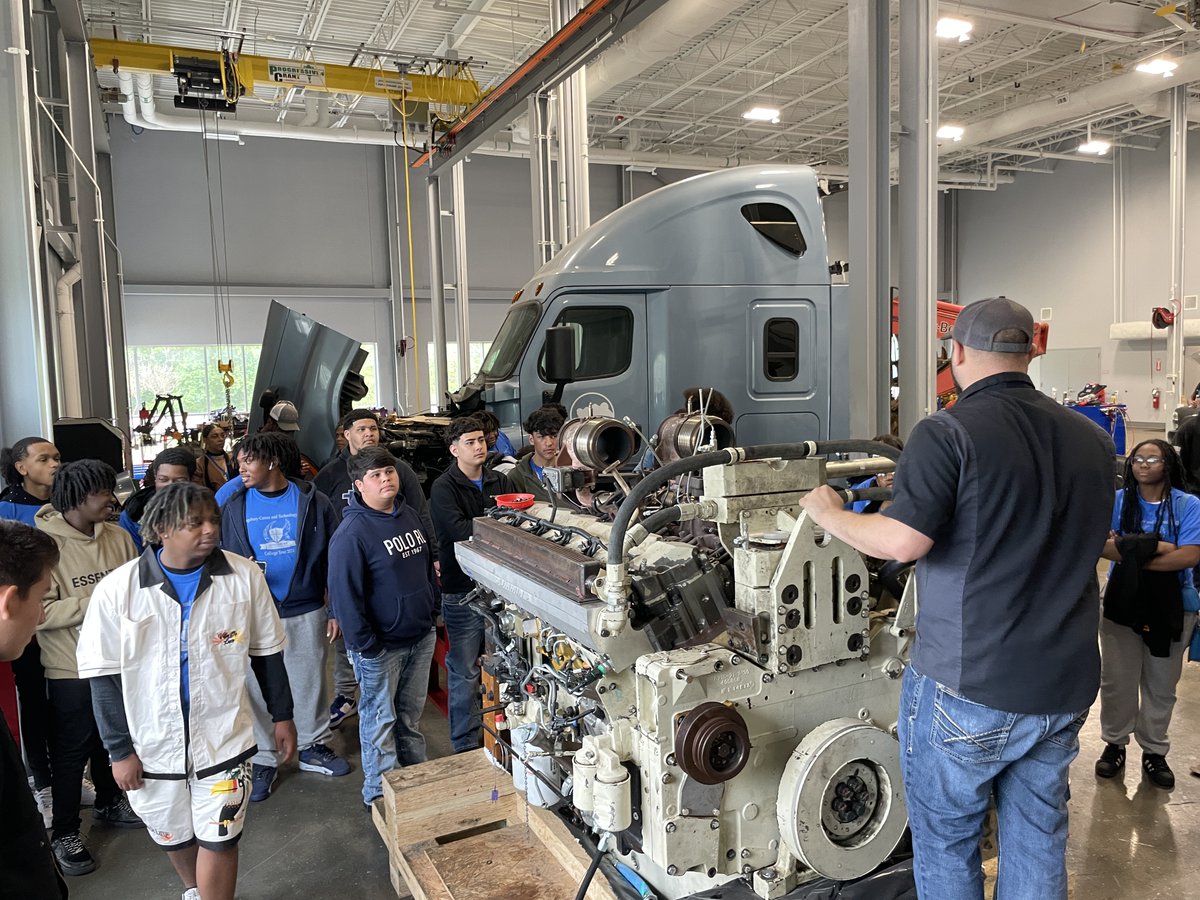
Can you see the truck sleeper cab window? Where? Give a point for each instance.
(603, 341)
(777, 224)
(781, 349)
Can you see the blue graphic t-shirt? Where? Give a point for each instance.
(185, 584)
(271, 523)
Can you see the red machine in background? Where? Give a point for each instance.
(947, 314)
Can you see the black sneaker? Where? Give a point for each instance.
(1111, 761)
(73, 857)
(1157, 770)
(119, 814)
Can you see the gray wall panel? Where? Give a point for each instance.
(1047, 241)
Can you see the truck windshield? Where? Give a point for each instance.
(510, 342)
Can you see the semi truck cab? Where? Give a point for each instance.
(721, 280)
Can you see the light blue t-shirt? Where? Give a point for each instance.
(478, 482)
(271, 523)
(504, 446)
(537, 470)
(1155, 518)
(185, 584)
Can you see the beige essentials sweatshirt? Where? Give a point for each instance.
(82, 562)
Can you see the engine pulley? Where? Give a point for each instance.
(712, 743)
(841, 806)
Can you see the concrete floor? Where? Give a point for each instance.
(311, 838)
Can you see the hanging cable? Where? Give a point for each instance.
(223, 319)
(412, 272)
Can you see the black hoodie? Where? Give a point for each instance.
(381, 577)
(334, 482)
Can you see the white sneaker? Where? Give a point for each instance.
(191, 894)
(88, 795)
(45, 805)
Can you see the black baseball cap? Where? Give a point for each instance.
(980, 322)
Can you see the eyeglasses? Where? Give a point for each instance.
(1147, 460)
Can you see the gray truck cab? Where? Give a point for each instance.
(721, 280)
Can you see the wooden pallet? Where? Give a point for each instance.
(456, 829)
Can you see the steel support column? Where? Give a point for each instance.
(115, 281)
(918, 210)
(870, 217)
(437, 287)
(461, 292)
(1179, 128)
(100, 345)
(583, 184)
(25, 406)
(574, 193)
(541, 179)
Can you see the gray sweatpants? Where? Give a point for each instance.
(1137, 690)
(343, 672)
(304, 658)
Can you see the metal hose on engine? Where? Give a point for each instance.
(615, 588)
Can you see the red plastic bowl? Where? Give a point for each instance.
(515, 501)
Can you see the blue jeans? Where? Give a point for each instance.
(464, 630)
(956, 754)
(391, 696)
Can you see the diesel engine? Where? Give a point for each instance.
(692, 665)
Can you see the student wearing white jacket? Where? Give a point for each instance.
(166, 642)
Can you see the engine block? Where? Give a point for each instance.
(742, 723)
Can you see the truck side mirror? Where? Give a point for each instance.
(560, 354)
(559, 360)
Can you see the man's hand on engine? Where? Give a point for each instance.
(821, 501)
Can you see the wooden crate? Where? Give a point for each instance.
(456, 829)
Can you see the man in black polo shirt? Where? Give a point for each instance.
(1005, 501)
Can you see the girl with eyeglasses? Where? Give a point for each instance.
(1150, 606)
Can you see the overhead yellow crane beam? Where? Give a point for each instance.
(452, 85)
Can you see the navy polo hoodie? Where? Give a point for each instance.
(381, 577)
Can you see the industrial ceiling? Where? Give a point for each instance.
(673, 91)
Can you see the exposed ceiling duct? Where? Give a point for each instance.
(665, 31)
(1121, 90)
(139, 110)
(1159, 105)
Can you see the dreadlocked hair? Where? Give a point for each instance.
(10, 456)
(25, 555)
(1131, 510)
(172, 507)
(273, 447)
(76, 481)
(264, 445)
(135, 506)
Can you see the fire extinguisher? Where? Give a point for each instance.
(1154, 396)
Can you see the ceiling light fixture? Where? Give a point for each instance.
(1160, 66)
(950, 133)
(762, 114)
(949, 28)
(1095, 146)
